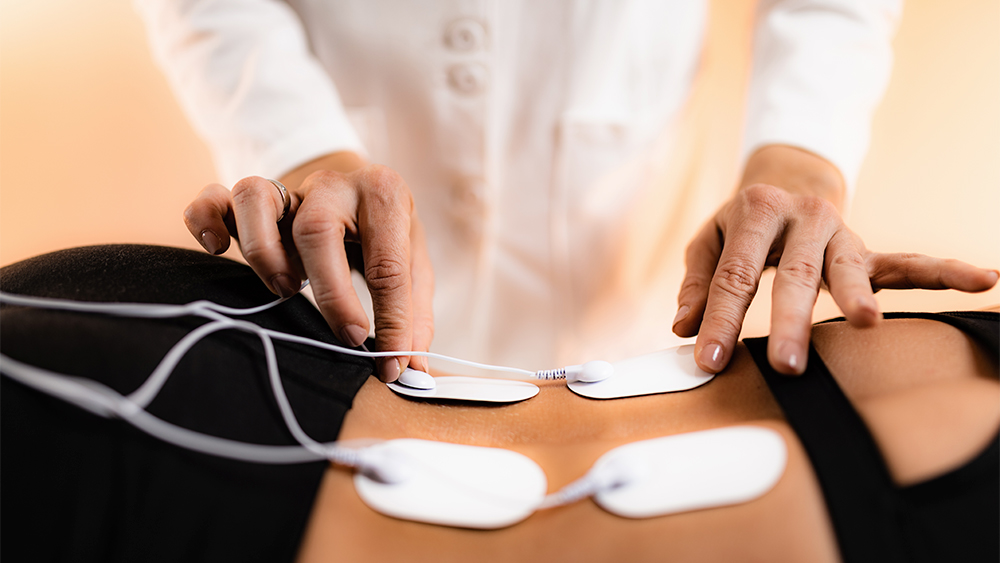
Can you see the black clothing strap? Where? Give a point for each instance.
(847, 461)
(875, 520)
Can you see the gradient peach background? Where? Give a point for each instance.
(94, 149)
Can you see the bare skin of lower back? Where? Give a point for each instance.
(929, 396)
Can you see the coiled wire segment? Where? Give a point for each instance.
(550, 374)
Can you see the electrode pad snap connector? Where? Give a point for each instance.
(416, 379)
(590, 372)
(666, 371)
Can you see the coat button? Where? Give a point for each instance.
(466, 195)
(465, 35)
(468, 207)
(468, 78)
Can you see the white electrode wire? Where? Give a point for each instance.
(85, 393)
(144, 310)
(605, 475)
(147, 310)
(131, 408)
(581, 488)
(279, 394)
(104, 401)
(207, 309)
(149, 389)
(277, 335)
(352, 352)
(98, 400)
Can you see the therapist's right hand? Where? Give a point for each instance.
(339, 205)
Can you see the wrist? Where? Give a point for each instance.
(796, 171)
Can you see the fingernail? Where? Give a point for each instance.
(353, 335)
(388, 370)
(682, 314)
(791, 356)
(711, 357)
(995, 276)
(211, 241)
(283, 285)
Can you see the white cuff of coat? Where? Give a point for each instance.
(843, 145)
(819, 69)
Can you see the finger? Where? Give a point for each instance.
(256, 206)
(793, 296)
(206, 217)
(916, 271)
(422, 280)
(701, 259)
(318, 231)
(384, 211)
(848, 281)
(749, 237)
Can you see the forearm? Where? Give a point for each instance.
(796, 171)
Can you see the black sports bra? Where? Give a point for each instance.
(952, 517)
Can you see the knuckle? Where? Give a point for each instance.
(324, 178)
(386, 188)
(851, 260)
(311, 225)
(723, 321)
(736, 279)
(256, 251)
(903, 268)
(757, 209)
(765, 198)
(381, 174)
(877, 269)
(392, 327)
(386, 275)
(816, 206)
(328, 298)
(694, 283)
(249, 192)
(803, 273)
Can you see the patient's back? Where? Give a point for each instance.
(928, 395)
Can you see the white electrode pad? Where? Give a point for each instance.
(690, 471)
(666, 371)
(455, 485)
(480, 389)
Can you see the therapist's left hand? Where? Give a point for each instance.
(798, 229)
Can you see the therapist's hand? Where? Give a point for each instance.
(797, 228)
(341, 210)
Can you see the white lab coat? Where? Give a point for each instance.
(533, 135)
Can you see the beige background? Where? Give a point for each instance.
(93, 148)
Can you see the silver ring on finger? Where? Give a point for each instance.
(286, 200)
